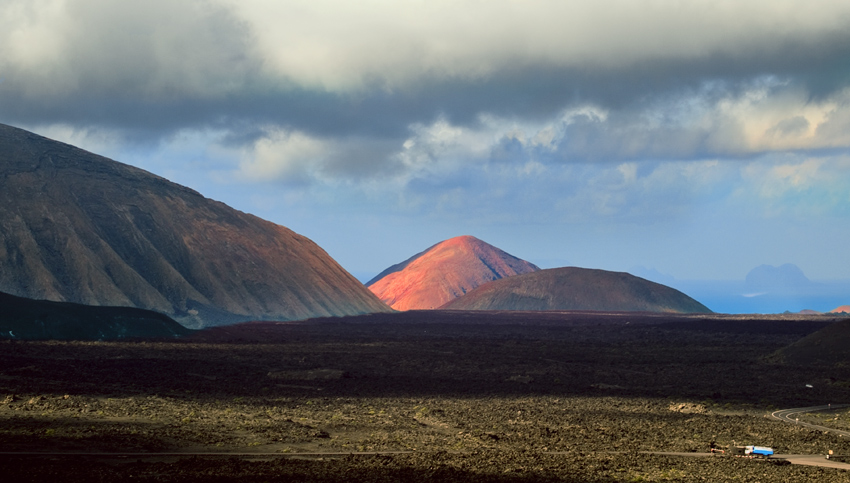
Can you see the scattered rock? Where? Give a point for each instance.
(688, 408)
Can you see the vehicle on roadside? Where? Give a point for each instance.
(751, 451)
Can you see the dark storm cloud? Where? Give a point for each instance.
(150, 70)
(533, 94)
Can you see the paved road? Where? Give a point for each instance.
(790, 416)
(241, 455)
(796, 459)
(812, 460)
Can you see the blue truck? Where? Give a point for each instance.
(752, 451)
(762, 451)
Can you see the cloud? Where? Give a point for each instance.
(155, 49)
(141, 68)
(658, 160)
(792, 126)
(769, 116)
(798, 187)
(284, 156)
(339, 45)
(374, 68)
(630, 112)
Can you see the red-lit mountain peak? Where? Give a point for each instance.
(444, 272)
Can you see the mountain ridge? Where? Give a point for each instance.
(82, 228)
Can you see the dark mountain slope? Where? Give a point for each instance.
(23, 318)
(830, 345)
(572, 288)
(445, 271)
(78, 227)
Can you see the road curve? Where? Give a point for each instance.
(790, 416)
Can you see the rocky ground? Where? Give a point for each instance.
(446, 399)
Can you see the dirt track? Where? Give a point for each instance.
(474, 397)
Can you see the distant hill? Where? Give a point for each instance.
(845, 309)
(572, 288)
(443, 272)
(27, 319)
(830, 345)
(781, 278)
(78, 227)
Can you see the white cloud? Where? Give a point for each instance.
(779, 117)
(343, 45)
(768, 116)
(282, 155)
(157, 48)
(441, 147)
(209, 47)
(800, 186)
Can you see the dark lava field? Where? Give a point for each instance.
(423, 396)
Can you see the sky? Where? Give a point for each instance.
(693, 139)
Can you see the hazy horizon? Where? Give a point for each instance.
(696, 139)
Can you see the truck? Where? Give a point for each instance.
(752, 451)
(762, 451)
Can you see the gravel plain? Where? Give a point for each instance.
(438, 396)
